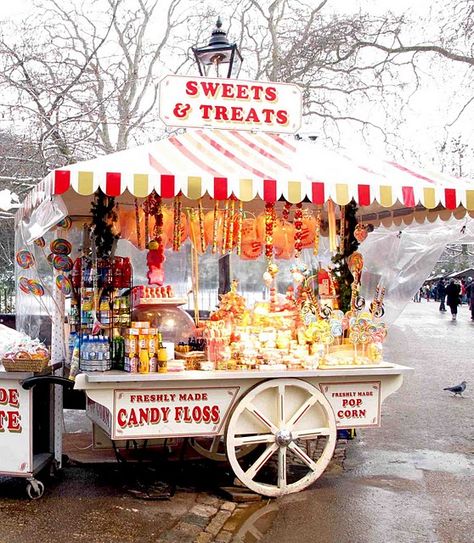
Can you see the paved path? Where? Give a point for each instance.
(411, 481)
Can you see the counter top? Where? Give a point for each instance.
(116, 376)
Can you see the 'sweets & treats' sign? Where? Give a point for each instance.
(198, 102)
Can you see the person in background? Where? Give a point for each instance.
(470, 296)
(463, 291)
(453, 293)
(441, 294)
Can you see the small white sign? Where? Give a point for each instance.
(15, 428)
(173, 412)
(355, 404)
(230, 104)
(100, 415)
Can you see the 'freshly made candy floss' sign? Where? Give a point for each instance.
(198, 102)
(15, 430)
(355, 404)
(146, 413)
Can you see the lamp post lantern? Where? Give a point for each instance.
(218, 52)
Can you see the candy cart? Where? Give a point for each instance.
(266, 382)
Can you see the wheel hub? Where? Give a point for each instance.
(283, 438)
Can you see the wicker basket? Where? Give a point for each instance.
(25, 364)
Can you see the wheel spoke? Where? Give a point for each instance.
(215, 444)
(251, 440)
(311, 433)
(262, 418)
(282, 467)
(258, 464)
(281, 405)
(308, 403)
(303, 456)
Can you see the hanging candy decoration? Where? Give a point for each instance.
(65, 224)
(147, 226)
(40, 242)
(177, 223)
(286, 211)
(251, 245)
(355, 263)
(298, 223)
(25, 259)
(156, 247)
(361, 231)
(230, 233)
(283, 239)
(62, 263)
(61, 246)
(317, 230)
(35, 287)
(376, 306)
(202, 237)
(137, 223)
(260, 227)
(342, 229)
(63, 283)
(332, 226)
(225, 227)
(269, 225)
(215, 226)
(23, 285)
(308, 228)
(240, 219)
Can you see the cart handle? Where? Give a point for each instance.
(30, 382)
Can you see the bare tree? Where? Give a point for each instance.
(87, 82)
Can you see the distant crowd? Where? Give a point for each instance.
(451, 293)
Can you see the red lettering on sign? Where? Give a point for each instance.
(242, 92)
(282, 117)
(10, 420)
(9, 396)
(210, 88)
(192, 88)
(351, 414)
(270, 94)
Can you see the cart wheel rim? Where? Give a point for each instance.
(283, 428)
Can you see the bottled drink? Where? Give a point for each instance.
(144, 361)
(162, 356)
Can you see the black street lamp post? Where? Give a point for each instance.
(218, 52)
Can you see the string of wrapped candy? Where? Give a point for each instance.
(269, 226)
(298, 223)
(177, 206)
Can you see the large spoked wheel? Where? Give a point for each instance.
(285, 415)
(213, 448)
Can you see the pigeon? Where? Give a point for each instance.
(458, 389)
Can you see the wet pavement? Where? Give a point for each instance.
(412, 480)
(409, 481)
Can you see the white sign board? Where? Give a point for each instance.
(356, 404)
(230, 104)
(15, 428)
(173, 412)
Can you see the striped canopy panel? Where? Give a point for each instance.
(244, 164)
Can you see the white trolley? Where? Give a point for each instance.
(282, 417)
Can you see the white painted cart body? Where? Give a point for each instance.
(278, 410)
(20, 456)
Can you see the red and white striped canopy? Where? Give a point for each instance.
(247, 165)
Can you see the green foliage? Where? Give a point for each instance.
(341, 271)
